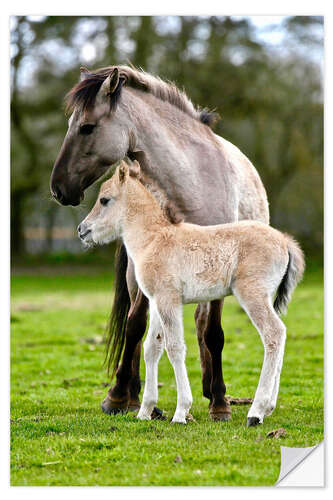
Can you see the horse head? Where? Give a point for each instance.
(97, 135)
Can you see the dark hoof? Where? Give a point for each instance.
(252, 421)
(113, 408)
(220, 413)
(157, 414)
(134, 406)
(220, 416)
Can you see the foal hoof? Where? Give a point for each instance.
(157, 414)
(253, 421)
(178, 422)
(111, 407)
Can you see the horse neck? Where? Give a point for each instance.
(143, 221)
(165, 142)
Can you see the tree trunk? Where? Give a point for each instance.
(17, 240)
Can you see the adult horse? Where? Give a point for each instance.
(117, 112)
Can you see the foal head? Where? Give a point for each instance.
(104, 223)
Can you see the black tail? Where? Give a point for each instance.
(280, 303)
(115, 339)
(292, 276)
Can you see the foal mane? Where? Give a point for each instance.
(169, 208)
(83, 94)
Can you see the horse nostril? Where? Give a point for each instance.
(79, 228)
(56, 193)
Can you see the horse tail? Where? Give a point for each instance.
(292, 276)
(115, 335)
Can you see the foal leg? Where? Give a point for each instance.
(153, 349)
(273, 335)
(277, 383)
(219, 408)
(171, 318)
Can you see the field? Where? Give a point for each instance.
(59, 436)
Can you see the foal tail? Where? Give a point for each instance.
(115, 337)
(292, 276)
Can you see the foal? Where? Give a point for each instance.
(184, 263)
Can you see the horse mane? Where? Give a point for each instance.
(170, 210)
(83, 94)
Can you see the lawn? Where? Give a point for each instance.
(59, 436)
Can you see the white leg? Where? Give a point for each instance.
(268, 387)
(172, 322)
(153, 349)
(277, 380)
(273, 334)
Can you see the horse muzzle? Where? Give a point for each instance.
(64, 198)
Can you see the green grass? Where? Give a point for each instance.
(59, 436)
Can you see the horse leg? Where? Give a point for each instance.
(135, 381)
(201, 316)
(219, 408)
(125, 393)
(273, 335)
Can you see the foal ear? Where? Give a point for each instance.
(123, 172)
(135, 169)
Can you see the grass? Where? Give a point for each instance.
(59, 436)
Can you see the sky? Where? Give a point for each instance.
(269, 29)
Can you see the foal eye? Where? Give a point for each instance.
(104, 201)
(87, 128)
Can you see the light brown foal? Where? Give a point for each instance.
(176, 264)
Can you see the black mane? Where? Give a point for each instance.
(83, 94)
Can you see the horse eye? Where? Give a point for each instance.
(104, 201)
(87, 128)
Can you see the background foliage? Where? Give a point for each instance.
(269, 95)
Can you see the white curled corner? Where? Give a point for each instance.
(298, 470)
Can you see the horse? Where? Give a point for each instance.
(184, 263)
(119, 112)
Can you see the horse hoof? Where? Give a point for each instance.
(134, 405)
(113, 408)
(221, 414)
(253, 421)
(157, 414)
(220, 417)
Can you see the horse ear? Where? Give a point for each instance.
(84, 73)
(110, 84)
(135, 169)
(123, 172)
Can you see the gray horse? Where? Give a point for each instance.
(119, 112)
